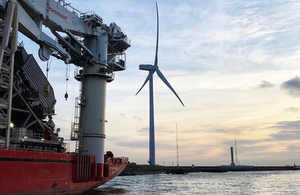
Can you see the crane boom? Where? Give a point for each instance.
(61, 17)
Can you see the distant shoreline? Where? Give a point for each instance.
(134, 169)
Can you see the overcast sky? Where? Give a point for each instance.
(234, 64)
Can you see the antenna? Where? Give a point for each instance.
(177, 145)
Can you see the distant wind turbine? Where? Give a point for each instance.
(152, 69)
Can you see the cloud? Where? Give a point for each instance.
(287, 135)
(292, 109)
(287, 126)
(232, 131)
(293, 148)
(143, 131)
(242, 142)
(265, 84)
(141, 144)
(123, 115)
(137, 118)
(292, 87)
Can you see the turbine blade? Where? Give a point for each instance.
(162, 77)
(157, 33)
(147, 79)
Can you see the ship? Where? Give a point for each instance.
(33, 157)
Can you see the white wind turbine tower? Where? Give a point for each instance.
(152, 69)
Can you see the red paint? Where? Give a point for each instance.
(57, 13)
(38, 172)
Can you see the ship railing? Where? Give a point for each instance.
(26, 149)
(69, 7)
(120, 160)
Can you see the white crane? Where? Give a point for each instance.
(87, 43)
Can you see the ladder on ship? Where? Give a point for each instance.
(8, 47)
(75, 124)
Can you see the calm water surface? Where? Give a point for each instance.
(267, 182)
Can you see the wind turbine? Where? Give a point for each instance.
(152, 69)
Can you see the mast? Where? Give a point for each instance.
(177, 145)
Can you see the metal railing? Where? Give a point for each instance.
(26, 149)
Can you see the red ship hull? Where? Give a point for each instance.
(40, 172)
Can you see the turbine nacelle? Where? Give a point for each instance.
(147, 67)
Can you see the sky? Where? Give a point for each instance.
(234, 64)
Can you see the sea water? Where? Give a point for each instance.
(241, 183)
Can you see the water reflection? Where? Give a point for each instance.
(108, 191)
(244, 183)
